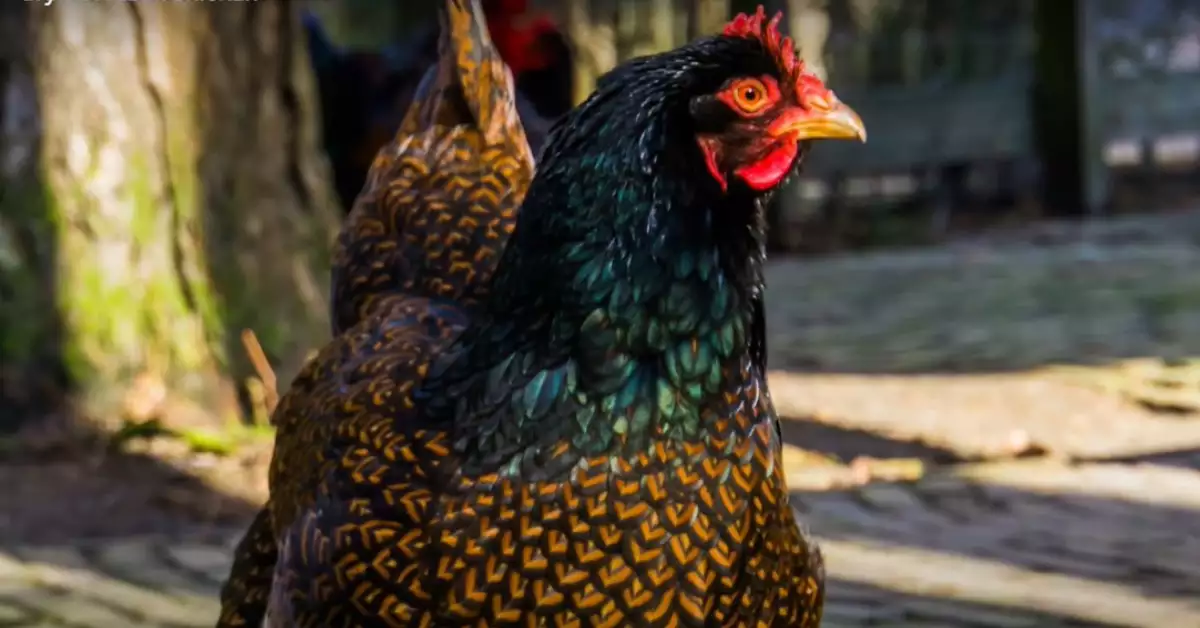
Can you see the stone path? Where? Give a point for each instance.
(993, 545)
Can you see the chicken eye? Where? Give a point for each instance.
(749, 96)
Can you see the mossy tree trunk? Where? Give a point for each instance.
(163, 189)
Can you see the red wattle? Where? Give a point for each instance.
(767, 172)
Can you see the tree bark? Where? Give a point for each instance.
(163, 189)
(644, 27)
(593, 42)
(707, 17)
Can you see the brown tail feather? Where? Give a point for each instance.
(469, 72)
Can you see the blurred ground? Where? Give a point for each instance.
(956, 473)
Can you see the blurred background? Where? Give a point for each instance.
(984, 324)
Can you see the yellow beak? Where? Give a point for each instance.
(836, 122)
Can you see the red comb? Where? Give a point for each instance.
(757, 27)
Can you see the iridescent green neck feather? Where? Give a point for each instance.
(623, 305)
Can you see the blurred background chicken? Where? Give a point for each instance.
(364, 93)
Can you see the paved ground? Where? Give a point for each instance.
(1013, 544)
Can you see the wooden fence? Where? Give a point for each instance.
(1140, 116)
(944, 88)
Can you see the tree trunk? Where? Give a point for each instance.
(593, 41)
(809, 25)
(644, 27)
(163, 189)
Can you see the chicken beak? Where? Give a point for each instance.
(835, 121)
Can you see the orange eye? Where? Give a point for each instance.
(749, 95)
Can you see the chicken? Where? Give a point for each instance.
(537, 53)
(592, 441)
(364, 93)
(426, 231)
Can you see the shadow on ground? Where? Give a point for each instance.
(70, 497)
(1187, 458)
(846, 443)
(1037, 535)
(855, 604)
